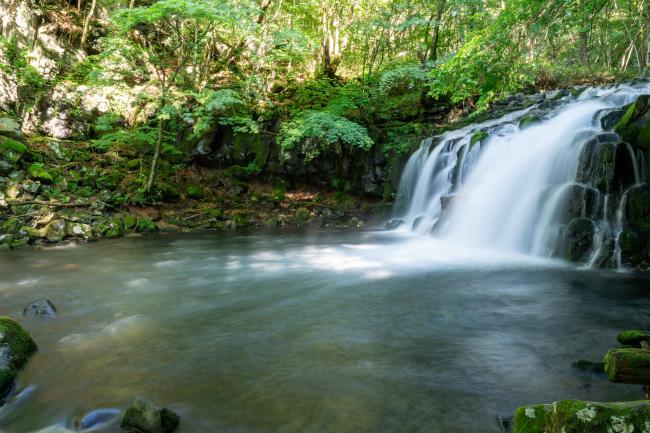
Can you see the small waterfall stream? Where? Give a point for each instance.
(525, 182)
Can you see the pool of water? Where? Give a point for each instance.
(299, 332)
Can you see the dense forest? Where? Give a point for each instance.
(333, 95)
(330, 77)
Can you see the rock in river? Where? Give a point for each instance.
(16, 346)
(144, 417)
(40, 308)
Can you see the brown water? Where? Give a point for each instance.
(296, 333)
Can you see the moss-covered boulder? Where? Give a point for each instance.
(628, 365)
(39, 172)
(633, 337)
(606, 164)
(55, 231)
(79, 230)
(10, 153)
(579, 237)
(576, 416)
(16, 346)
(144, 417)
(10, 128)
(634, 126)
(634, 241)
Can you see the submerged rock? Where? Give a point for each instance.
(16, 346)
(393, 224)
(40, 308)
(144, 417)
(589, 366)
(576, 416)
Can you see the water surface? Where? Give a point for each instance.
(328, 332)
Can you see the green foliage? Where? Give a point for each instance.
(314, 132)
(403, 79)
(137, 139)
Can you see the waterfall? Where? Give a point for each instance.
(511, 184)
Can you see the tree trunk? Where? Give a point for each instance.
(156, 155)
(86, 29)
(433, 53)
(131, 4)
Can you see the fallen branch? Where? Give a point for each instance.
(49, 203)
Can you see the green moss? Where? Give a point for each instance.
(9, 144)
(145, 225)
(20, 348)
(575, 416)
(195, 192)
(478, 136)
(302, 216)
(528, 120)
(38, 171)
(633, 337)
(621, 126)
(133, 164)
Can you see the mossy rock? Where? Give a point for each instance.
(528, 120)
(633, 337)
(576, 416)
(637, 209)
(38, 171)
(144, 417)
(55, 231)
(115, 228)
(579, 239)
(10, 128)
(478, 136)
(133, 164)
(628, 365)
(16, 346)
(79, 230)
(31, 232)
(629, 126)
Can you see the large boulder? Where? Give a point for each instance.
(576, 416)
(10, 153)
(144, 417)
(606, 164)
(55, 231)
(16, 346)
(634, 241)
(10, 128)
(634, 126)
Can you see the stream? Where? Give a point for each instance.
(311, 332)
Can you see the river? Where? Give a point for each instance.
(311, 332)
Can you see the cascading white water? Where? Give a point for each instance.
(506, 189)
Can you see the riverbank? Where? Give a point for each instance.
(52, 191)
